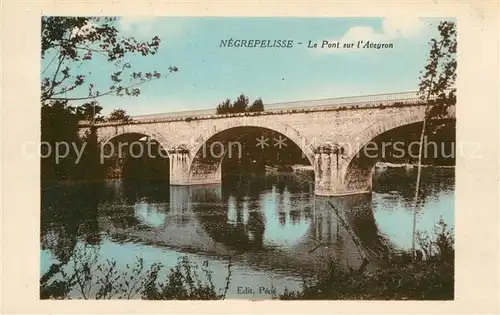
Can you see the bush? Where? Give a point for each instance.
(91, 280)
(426, 277)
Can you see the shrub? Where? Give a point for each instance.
(426, 277)
(92, 280)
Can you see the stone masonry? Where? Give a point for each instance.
(330, 138)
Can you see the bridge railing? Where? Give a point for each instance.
(360, 101)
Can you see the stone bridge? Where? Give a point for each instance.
(330, 133)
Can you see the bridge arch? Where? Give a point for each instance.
(360, 140)
(201, 167)
(108, 133)
(265, 123)
(134, 152)
(357, 168)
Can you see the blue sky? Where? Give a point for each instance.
(208, 74)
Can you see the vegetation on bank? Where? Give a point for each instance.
(429, 276)
(92, 280)
(68, 94)
(437, 88)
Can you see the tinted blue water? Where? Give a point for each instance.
(273, 230)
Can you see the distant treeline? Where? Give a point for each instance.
(240, 105)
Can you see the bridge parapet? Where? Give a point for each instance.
(401, 99)
(351, 101)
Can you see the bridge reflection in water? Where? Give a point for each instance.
(274, 230)
(275, 225)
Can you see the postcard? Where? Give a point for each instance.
(257, 159)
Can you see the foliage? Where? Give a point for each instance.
(90, 111)
(59, 128)
(257, 106)
(430, 277)
(119, 115)
(92, 280)
(240, 105)
(437, 88)
(437, 83)
(184, 284)
(225, 107)
(69, 42)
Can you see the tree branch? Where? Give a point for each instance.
(95, 96)
(63, 91)
(50, 92)
(86, 47)
(47, 66)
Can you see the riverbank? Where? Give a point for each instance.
(409, 165)
(380, 165)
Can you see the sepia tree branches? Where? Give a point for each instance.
(68, 43)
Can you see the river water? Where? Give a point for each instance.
(272, 231)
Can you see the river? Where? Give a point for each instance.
(273, 231)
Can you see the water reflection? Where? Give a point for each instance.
(269, 224)
(152, 215)
(393, 207)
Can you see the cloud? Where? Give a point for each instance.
(142, 25)
(145, 26)
(392, 28)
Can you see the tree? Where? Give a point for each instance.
(225, 107)
(437, 89)
(90, 111)
(119, 115)
(257, 106)
(59, 123)
(240, 105)
(69, 42)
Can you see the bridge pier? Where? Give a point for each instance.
(179, 166)
(183, 172)
(330, 179)
(205, 172)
